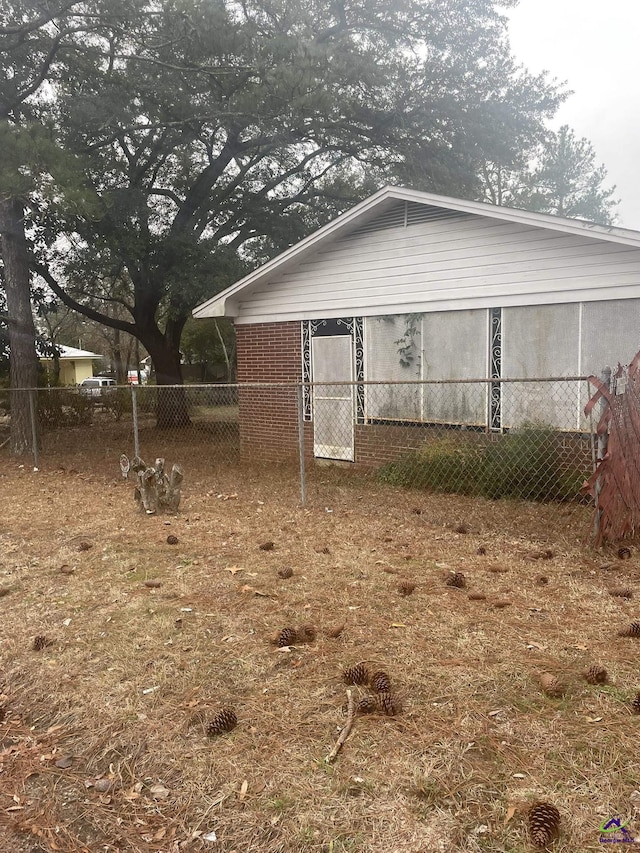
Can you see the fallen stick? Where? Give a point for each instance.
(346, 730)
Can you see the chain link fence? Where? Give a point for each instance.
(527, 439)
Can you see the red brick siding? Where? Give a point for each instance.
(378, 444)
(269, 353)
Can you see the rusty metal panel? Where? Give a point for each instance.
(615, 484)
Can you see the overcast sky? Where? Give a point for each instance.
(595, 47)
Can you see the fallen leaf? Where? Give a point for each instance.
(210, 836)
(132, 794)
(243, 790)
(234, 569)
(397, 625)
(594, 719)
(64, 762)
(160, 834)
(510, 813)
(159, 792)
(519, 776)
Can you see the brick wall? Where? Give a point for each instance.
(379, 444)
(269, 353)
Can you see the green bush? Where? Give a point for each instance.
(58, 407)
(525, 463)
(117, 401)
(443, 465)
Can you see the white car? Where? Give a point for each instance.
(96, 387)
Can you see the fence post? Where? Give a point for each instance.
(134, 412)
(34, 427)
(300, 406)
(603, 440)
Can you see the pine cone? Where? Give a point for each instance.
(287, 637)
(357, 674)
(456, 579)
(624, 553)
(632, 631)
(621, 592)
(389, 704)
(172, 540)
(551, 685)
(406, 587)
(380, 682)
(306, 633)
(596, 674)
(461, 528)
(481, 551)
(635, 704)
(367, 705)
(544, 823)
(224, 721)
(41, 642)
(285, 572)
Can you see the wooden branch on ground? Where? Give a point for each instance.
(346, 730)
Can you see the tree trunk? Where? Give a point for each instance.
(121, 370)
(172, 408)
(23, 361)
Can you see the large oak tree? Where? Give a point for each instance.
(215, 132)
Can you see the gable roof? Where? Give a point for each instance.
(222, 304)
(74, 353)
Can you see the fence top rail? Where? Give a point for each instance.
(291, 385)
(453, 381)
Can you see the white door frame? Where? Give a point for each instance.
(333, 404)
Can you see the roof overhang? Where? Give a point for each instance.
(225, 304)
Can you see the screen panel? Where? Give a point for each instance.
(394, 354)
(540, 341)
(455, 346)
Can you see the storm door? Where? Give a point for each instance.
(333, 404)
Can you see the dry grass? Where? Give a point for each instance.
(134, 673)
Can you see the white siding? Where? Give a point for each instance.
(452, 261)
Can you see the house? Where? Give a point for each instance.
(413, 287)
(75, 364)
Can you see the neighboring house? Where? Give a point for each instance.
(412, 286)
(75, 365)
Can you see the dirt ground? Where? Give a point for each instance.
(103, 741)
